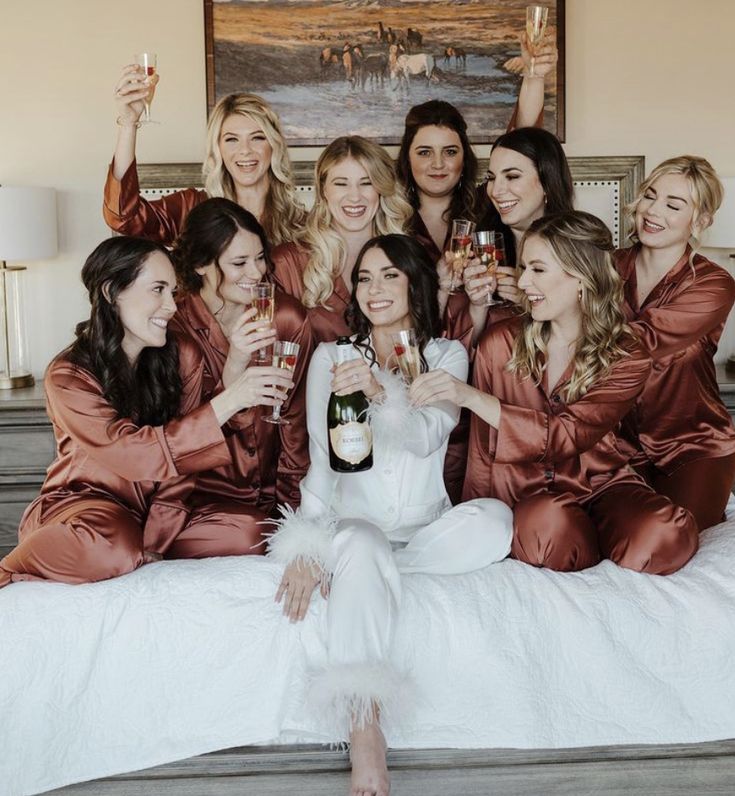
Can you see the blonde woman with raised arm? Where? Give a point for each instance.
(246, 161)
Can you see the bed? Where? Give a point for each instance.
(181, 658)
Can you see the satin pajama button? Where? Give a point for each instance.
(548, 474)
(251, 451)
(556, 398)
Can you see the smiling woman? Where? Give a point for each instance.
(247, 161)
(357, 196)
(132, 429)
(221, 257)
(549, 391)
(359, 532)
(677, 301)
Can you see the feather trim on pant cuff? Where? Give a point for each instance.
(344, 696)
(299, 537)
(393, 419)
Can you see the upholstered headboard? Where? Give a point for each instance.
(603, 185)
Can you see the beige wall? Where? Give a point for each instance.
(651, 77)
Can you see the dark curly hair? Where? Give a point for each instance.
(149, 391)
(409, 257)
(441, 114)
(208, 231)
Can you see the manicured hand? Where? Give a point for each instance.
(130, 92)
(297, 585)
(545, 55)
(261, 386)
(477, 284)
(508, 284)
(354, 376)
(438, 385)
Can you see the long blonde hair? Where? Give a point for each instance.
(705, 187)
(327, 248)
(283, 217)
(582, 244)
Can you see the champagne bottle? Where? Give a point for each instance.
(349, 436)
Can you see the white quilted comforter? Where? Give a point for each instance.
(186, 657)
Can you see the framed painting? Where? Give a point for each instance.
(341, 67)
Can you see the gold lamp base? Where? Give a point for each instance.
(16, 382)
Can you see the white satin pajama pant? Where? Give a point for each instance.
(365, 597)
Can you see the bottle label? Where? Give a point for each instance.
(351, 442)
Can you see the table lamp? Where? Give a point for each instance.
(27, 232)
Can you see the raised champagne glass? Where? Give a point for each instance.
(262, 297)
(490, 249)
(149, 63)
(536, 19)
(407, 354)
(459, 251)
(285, 354)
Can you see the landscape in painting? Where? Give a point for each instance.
(357, 66)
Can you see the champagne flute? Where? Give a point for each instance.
(148, 62)
(490, 248)
(406, 351)
(459, 251)
(536, 18)
(263, 299)
(285, 354)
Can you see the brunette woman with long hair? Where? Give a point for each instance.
(549, 391)
(221, 256)
(358, 532)
(131, 428)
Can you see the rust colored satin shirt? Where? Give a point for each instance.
(679, 417)
(544, 444)
(267, 461)
(146, 469)
(127, 212)
(328, 322)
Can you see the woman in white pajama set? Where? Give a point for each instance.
(356, 533)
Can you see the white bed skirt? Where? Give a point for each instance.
(186, 657)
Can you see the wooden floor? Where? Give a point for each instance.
(700, 769)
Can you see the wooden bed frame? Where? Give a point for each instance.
(707, 768)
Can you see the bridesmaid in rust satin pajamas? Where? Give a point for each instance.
(117, 494)
(220, 254)
(545, 441)
(677, 302)
(356, 196)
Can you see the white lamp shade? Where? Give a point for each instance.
(721, 235)
(27, 223)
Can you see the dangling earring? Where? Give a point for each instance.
(579, 294)
(546, 199)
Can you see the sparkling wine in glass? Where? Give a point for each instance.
(407, 354)
(490, 249)
(148, 62)
(536, 18)
(285, 354)
(263, 299)
(459, 250)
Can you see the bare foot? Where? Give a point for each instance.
(369, 767)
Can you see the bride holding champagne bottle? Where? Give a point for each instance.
(356, 532)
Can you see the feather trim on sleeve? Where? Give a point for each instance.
(299, 537)
(393, 419)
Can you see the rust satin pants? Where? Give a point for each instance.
(96, 539)
(703, 487)
(630, 524)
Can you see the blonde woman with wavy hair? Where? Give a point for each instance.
(677, 301)
(247, 162)
(356, 196)
(549, 391)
